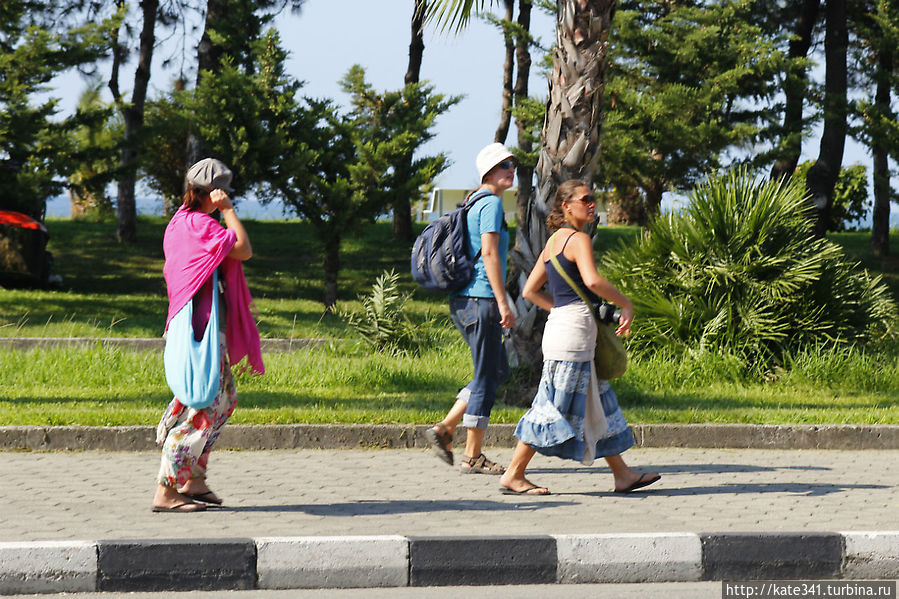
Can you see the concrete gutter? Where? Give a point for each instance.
(395, 561)
(394, 436)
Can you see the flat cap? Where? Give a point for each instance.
(209, 174)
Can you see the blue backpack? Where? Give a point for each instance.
(440, 261)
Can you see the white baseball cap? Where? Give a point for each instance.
(490, 156)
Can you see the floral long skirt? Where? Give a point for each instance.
(187, 435)
(554, 425)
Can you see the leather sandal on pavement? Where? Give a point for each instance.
(205, 497)
(441, 442)
(530, 490)
(480, 465)
(186, 507)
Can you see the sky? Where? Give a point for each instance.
(324, 42)
(329, 36)
(377, 37)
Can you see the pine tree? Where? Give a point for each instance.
(686, 83)
(36, 149)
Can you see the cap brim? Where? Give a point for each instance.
(510, 156)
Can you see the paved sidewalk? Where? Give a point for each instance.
(304, 518)
(408, 492)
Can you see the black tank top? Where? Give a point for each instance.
(561, 291)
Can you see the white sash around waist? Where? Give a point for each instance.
(570, 334)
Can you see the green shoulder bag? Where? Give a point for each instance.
(610, 356)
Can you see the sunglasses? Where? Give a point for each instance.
(506, 164)
(587, 199)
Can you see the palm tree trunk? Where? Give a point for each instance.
(524, 173)
(880, 227)
(570, 137)
(134, 120)
(417, 45)
(402, 208)
(795, 88)
(505, 115)
(822, 176)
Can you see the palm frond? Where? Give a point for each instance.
(382, 322)
(453, 15)
(738, 272)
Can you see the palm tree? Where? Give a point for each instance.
(570, 136)
(401, 204)
(525, 171)
(505, 118)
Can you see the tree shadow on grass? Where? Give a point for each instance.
(157, 399)
(688, 401)
(437, 396)
(126, 315)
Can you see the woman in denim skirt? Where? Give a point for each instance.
(480, 311)
(574, 415)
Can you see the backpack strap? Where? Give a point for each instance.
(467, 203)
(473, 197)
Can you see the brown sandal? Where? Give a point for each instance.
(480, 465)
(441, 442)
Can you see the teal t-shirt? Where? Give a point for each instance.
(486, 216)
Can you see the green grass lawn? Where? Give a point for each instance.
(118, 290)
(342, 383)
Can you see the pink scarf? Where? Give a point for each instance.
(195, 245)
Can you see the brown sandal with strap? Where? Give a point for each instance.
(480, 465)
(441, 442)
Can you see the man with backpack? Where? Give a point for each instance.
(480, 311)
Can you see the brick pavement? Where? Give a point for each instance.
(107, 495)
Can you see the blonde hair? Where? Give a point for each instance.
(556, 218)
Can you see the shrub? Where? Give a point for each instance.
(738, 272)
(382, 323)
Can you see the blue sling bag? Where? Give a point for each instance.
(192, 368)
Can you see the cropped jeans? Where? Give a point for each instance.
(477, 318)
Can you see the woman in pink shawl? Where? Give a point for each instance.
(195, 245)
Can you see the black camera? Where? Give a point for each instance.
(608, 313)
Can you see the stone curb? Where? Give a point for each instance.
(176, 565)
(870, 553)
(394, 561)
(157, 344)
(637, 557)
(397, 436)
(48, 567)
(329, 562)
